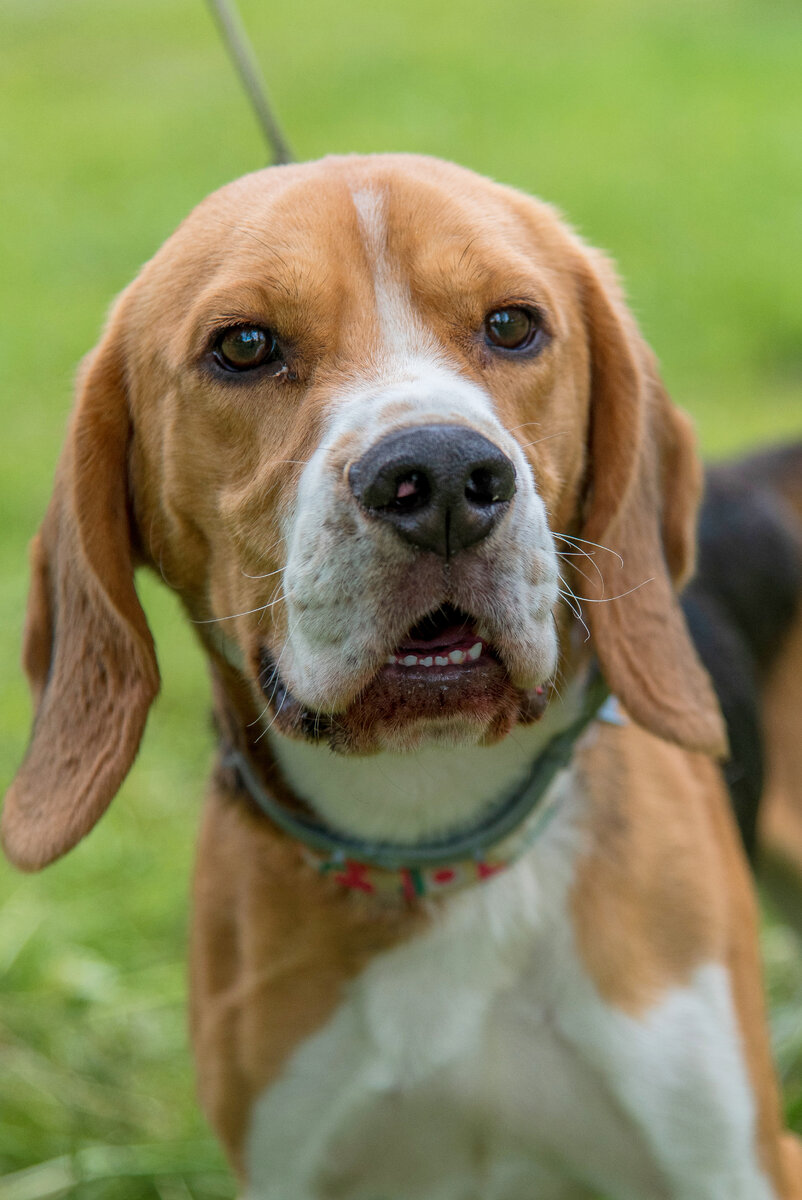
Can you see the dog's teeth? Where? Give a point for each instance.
(455, 658)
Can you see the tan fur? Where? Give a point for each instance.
(655, 846)
(167, 465)
(645, 483)
(272, 949)
(88, 650)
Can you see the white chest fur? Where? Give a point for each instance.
(412, 797)
(478, 1062)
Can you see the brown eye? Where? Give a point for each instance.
(245, 347)
(512, 328)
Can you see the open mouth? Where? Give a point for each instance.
(445, 641)
(442, 676)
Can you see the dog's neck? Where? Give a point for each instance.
(408, 797)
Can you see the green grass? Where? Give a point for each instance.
(668, 130)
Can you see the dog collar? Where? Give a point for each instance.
(467, 855)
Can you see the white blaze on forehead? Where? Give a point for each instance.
(370, 211)
(402, 331)
(413, 376)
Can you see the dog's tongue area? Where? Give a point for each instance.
(447, 629)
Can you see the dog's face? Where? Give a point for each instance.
(348, 411)
(339, 430)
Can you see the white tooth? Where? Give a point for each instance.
(457, 656)
(440, 661)
(475, 651)
(411, 660)
(426, 662)
(391, 658)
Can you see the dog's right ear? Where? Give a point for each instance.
(88, 651)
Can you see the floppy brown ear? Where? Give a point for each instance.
(88, 652)
(644, 486)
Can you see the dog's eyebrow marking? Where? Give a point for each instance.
(403, 334)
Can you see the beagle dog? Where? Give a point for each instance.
(465, 926)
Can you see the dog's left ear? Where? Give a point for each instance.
(643, 488)
(88, 652)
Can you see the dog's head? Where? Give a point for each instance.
(368, 417)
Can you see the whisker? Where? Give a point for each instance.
(570, 600)
(265, 245)
(274, 599)
(547, 438)
(579, 571)
(579, 617)
(620, 596)
(268, 549)
(267, 576)
(523, 425)
(568, 604)
(573, 540)
(276, 682)
(555, 686)
(576, 611)
(256, 720)
(567, 591)
(267, 728)
(233, 616)
(465, 251)
(591, 560)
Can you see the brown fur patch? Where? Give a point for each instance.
(274, 945)
(664, 889)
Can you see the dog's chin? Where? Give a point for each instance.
(442, 684)
(403, 739)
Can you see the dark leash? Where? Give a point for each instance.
(235, 39)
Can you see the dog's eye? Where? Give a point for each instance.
(513, 328)
(245, 347)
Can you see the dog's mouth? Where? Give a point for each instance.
(441, 647)
(443, 679)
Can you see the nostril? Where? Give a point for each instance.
(413, 490)
(490, 485)
(480, 488)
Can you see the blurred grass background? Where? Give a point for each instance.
(669, 132)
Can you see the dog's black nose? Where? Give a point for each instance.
(443, 487)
